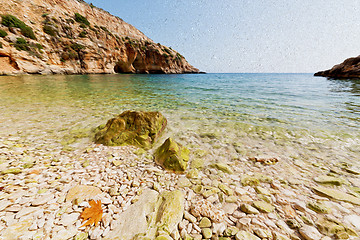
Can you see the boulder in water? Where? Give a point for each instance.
(172, 156)
(137, 128)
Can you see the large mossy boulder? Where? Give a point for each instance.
(172, 156)
(137, 128)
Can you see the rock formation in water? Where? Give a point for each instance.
(350, 68)
(73, 37)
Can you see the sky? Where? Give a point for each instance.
(249, 35)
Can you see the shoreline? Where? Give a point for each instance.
(123, 173)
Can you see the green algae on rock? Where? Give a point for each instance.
(318, 207)
(222, 167)
(263, 206)
(337, 195)
(329, 227)
(170, 210)
(172, 156)
(329, 180)
(137, 128)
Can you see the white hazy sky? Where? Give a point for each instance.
(249, 35)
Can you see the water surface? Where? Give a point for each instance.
(230, 115)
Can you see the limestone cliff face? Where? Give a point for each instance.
(350, 68)
(73, 37)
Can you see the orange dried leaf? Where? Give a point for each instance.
(93, 214)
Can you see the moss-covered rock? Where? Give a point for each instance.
(336, 194)
(206, 232)
(318, 207)
(11, 171)
(248, 209)
(227, 190)
(170, 210)
(330, 180)
(249, 181)
(172, 156)
(205, 223)
(329, 227)
(222, 167)
(136, 128)
(263, 206)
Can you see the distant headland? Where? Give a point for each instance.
(350, 68)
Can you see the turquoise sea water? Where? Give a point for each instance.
(288, 115)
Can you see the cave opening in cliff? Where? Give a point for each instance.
(119, 68)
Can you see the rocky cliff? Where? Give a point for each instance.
(73, 37)
(350, 68)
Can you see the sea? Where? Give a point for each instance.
(230, 116)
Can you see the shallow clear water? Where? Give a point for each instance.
(292, 115)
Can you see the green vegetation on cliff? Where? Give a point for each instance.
(3, 33)
(81, 19)
(12, 21)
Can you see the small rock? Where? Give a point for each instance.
(197, 163)
(228, 191)
(263, 206)
(278, 236)
(42, 199)
(184, 182)
(231, 231)
(319, 207)
(329, 180)
(237, 214)
(229, 208)
(223, 167)
(192, 173)
(336, 194)
(262, 190)
(219, 228)
(207, 209)
(96, 233)
(83, 192)
(310, 233)
(11, 171)
(206, 232)
(243, 223)
(210, 192)
(262, 233)
(301, 206)
(69, 219)
(243, 235)
(189, 217)
(249, 181)
(248, 209)
(342, 235)
(205, 222)
(81, 236)
(163, 237)
(353, 170)
(293, 224)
